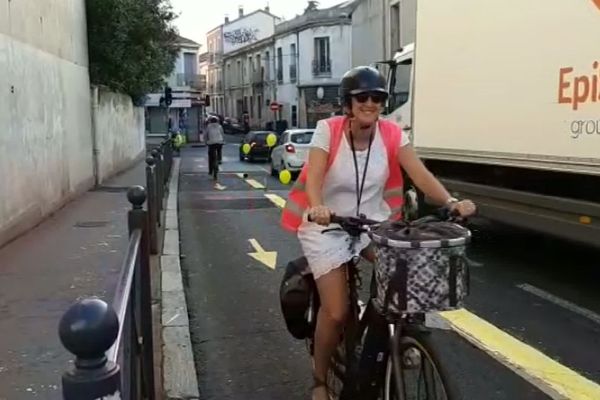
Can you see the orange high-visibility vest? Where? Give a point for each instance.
(393, 194)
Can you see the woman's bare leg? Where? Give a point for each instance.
(333, 294)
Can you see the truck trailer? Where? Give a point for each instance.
(501, 99)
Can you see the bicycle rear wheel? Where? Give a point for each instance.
(414, 373)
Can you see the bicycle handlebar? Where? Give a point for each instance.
(357, 225)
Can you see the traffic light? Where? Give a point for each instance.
(168, 96)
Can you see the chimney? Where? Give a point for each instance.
(241, 11)
(267, 8)
(226, 18)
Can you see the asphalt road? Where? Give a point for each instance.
(540, 291)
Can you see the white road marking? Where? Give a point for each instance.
(584, 312)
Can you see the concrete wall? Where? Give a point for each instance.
(368, 44)
(118, 131)
(45, 112)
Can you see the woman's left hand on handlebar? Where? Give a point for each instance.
(465, 208)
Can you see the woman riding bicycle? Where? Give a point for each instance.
(354, 167)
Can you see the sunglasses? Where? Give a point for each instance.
(376, 97)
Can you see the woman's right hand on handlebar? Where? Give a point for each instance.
(320, 215)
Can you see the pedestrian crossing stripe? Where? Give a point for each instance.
(255, 184)
(275, 199)
(252, 182)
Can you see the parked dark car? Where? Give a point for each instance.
(258, 146)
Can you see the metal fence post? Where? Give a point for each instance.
(168, 151)
(152, 214)
(159, 182)
(138, 219)
(165, 167)
(88, 329)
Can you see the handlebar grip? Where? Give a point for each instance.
(334, 219)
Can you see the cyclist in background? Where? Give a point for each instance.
(354, 167)
(215, 138)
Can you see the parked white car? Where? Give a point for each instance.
(291, 151)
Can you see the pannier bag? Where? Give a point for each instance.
(299, 299)
(420, 267)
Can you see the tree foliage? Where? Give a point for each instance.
(132, 44)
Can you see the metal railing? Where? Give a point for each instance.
(293, 73)
(113, 344)
(258, 76)
(194, 81)
(321, 67)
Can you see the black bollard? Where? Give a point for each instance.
(87, 330)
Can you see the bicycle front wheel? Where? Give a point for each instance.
(414, 373)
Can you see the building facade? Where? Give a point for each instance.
(214, 42)
(312, 52)
(185, 112)
(203, 71)
(247, 67)
(380, 28)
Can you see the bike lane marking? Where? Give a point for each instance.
(556, 380)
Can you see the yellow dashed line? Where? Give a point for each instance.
(521, 357)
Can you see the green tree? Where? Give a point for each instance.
(132, 44)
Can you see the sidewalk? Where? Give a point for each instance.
(77, 252)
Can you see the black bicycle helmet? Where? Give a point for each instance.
(361, 80)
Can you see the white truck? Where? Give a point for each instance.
(502, 101)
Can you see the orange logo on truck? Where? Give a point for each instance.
(576, 89)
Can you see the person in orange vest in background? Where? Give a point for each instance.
(354, 167)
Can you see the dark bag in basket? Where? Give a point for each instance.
(420, 267)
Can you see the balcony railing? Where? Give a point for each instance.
(258, 76)
(191, 80)
(293, 73)
(321, 67)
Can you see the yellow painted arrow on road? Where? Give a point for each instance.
(268, 258)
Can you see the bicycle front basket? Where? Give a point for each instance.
(420, 267)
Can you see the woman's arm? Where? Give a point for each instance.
(420, 175)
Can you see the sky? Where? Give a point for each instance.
(196, 17)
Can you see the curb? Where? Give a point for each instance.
(179, 369)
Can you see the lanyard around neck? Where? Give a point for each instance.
(360, 188)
